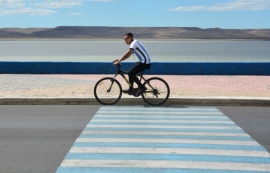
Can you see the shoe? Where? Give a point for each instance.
(140, 92)
(129, 91)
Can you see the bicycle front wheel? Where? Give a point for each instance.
(108, 91)
(157, 92)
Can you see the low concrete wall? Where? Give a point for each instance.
(177, 68)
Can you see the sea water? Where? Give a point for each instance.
(160, 51)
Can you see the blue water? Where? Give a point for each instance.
(160, 51)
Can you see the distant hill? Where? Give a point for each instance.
(92, 32)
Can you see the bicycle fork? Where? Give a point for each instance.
(112, 80)
(109, 89)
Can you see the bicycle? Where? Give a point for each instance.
(108, 90)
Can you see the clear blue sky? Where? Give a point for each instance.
(226, 14)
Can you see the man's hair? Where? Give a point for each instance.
(129, 34)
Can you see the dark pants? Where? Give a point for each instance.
(134, 70)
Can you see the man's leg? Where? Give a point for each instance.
(138, 67)
(134, 70)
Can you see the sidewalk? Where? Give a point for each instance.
(78, 89)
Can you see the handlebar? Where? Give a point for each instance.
(118, 65)
(118, 71)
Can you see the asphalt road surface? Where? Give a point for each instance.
(37, 138)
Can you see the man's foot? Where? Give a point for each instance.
(140, 92)
(130, 91)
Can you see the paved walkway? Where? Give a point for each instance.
(81, 86)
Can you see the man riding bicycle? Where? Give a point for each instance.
(144, 63)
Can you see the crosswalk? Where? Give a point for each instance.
(138, 139)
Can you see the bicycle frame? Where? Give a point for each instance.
(122, 72)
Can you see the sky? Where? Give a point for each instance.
(226, 14)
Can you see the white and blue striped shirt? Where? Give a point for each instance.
(140, 52)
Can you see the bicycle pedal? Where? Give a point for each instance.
(136, 95)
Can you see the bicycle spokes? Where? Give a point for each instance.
(108, 91)
(158, 91)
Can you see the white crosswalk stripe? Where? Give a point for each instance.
(132, 139)
(165, 133)
(167, 164)
(169, 151)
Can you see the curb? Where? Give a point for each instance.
(127, 101)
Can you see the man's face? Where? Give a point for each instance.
(128, 39)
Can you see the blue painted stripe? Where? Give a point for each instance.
(179, 111)
(151, 109)
(147, 170)
(168, 68)
(162, 123)
(163, 115)
(168, 145)
(163, 129)
(140, 109)
(179, 157)
(163, 118)
(235, 138)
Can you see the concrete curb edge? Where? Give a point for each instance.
(139, 101)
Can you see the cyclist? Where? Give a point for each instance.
(144, 63)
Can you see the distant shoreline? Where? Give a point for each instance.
(145, 33)
(114, 39)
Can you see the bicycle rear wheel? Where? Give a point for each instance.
(157, 92)
(108, 91)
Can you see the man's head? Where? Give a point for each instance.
(128, 37)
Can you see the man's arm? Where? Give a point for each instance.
(126, 56)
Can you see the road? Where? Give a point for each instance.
(37, 138)
(253, 120)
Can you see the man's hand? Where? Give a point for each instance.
(115, 62)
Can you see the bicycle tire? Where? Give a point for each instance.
(158, 91)
(108, 91)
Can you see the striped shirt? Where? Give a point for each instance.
(140, 52)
